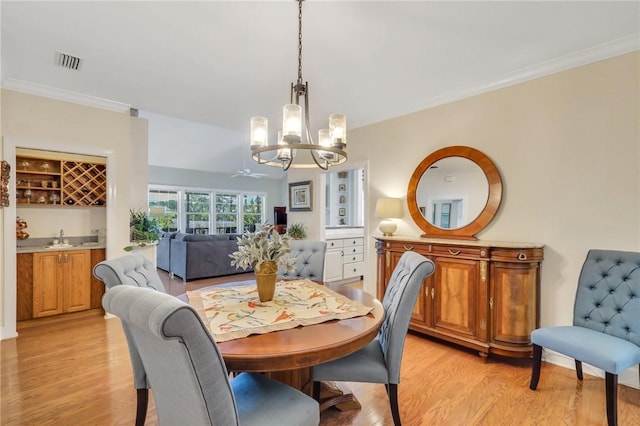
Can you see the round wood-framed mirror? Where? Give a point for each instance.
(454, 212)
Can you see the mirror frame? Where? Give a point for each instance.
(494, 198)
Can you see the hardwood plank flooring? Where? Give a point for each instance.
(77, 372)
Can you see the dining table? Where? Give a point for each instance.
(289, 355)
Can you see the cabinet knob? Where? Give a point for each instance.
(522, 256)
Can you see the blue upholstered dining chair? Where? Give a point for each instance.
(606, 322)
(191, 384)
(379, 361)
(136, 270)
(309, 257)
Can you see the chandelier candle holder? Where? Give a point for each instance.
(330, 150)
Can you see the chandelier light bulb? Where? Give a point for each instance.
(283, 154)
(259, 131)
(291, 123)
(338, 128)
(324, 139)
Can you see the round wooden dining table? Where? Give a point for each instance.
(288, 355)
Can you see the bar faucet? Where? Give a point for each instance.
(61, 234)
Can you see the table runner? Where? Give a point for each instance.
(235, 312)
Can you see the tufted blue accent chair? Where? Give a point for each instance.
(379, 361)
(309, 260)
(606, 322)
(135, 270)
(191, 383)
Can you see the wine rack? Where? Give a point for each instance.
(84, 184)
(41, 181)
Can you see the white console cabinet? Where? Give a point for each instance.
(344, 259)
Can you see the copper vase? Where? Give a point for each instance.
(266, 276)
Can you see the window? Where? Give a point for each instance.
(197, 212)
(205, 211)
(252, 211)
(163, 205)
(226, 214)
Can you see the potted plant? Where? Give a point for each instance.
(297, 231)
(143, 229)
(265, 250)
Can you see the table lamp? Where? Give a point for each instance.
(388, 209)
(156, 211)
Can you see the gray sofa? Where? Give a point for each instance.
(193, 256)
(163, 250)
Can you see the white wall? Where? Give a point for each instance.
(568, 149)
(41, 123)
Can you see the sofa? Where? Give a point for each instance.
(163, 250)
(194, 256)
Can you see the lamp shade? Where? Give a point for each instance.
(387, 208)
(156, 211)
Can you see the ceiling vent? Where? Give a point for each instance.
(68, 61)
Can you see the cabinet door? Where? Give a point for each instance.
(513, 302)
(47, 284)
(455, 297)
(77, 280)
(24, 308)
(333, 265)
(97, 286)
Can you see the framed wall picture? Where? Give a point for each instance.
(300, 196)
(342, 211)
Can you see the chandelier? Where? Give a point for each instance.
(332, 142)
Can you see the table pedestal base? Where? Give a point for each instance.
(337, 395)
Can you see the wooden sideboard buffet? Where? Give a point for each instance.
(483, 295)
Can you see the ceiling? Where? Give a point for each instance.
(199, 70)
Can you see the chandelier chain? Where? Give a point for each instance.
(299, 41)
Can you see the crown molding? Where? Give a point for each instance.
(587, 56)
(583, 57)
(63, 95)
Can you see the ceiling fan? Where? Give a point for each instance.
(247, 173)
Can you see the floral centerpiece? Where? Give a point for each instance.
(263, 245)
(265, 250)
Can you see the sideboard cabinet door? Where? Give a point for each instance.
(514, 300)
(455, 297)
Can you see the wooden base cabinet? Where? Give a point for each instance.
(57, 282)
(482, 295)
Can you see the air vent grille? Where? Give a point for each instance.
(68, 61)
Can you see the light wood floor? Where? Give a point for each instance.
(77, 372)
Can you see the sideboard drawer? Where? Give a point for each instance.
(350, 258)
(459, 251)
(331, 244)
(353, 250)
(351, 270)
(517, 255)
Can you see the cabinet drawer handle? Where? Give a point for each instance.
(407, 248)
(522, 256)
(454, 252)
